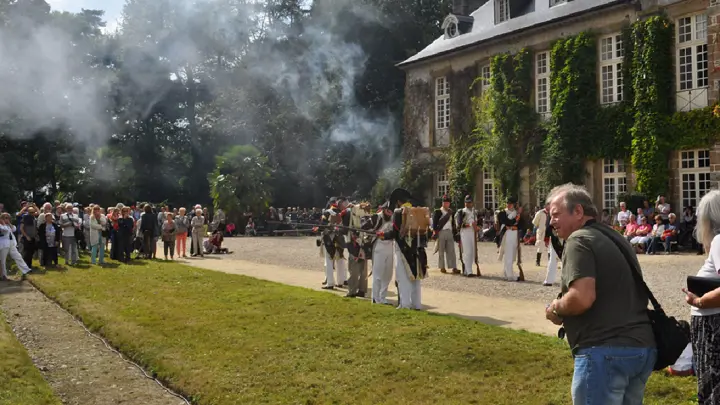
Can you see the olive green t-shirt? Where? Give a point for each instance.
(618, 317)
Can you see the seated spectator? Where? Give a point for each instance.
(250, 228)
(670, 234)
(648, 211)
(230, 229)
(641, 235)
(630, 228)
(655, 235)
(214, 243)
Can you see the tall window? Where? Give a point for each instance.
(694, 176)
(692, 52)
(502, 11)
(611, 58)
(442, 103)
(542, 82)
(614, 182)
(489, 190)
(443, 185)
(485, 72)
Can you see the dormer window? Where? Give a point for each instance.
(502, 11)
(556, 2)
(455, 25)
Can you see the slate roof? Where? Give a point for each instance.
(484, 27)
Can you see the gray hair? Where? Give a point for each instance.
(574, 195)
(708, 218)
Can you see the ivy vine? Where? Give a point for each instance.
(497, 141)
(652, 81)
(574, 100)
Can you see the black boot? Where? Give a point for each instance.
(537, 259)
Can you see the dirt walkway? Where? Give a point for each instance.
(516, 314)
(79, 368)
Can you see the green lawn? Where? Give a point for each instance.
(20, 382)
(226, 339)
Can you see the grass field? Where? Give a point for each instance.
(226, 339)
(20, 382)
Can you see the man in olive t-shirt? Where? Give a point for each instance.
(603, 310)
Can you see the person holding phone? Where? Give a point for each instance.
(705, 309)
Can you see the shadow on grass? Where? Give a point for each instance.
(482, 319)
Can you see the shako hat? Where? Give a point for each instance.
(446, 198)
(399, 194)
(468, 199)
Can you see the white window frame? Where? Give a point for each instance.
(490, 191)
(442, 103)
(614, 182)
(554, 3)
(694, 170)
(691, 48)
(502, 11)
(442, 183)
(610, 56)
(542, 82)
(485, 74)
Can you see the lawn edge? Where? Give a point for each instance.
(42, 383)
(145, 368)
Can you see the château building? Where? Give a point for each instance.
(478, 30)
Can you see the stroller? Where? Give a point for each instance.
(137, 245)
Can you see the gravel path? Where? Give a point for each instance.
(79, 368)
(664, 274)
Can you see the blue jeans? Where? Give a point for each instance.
(612, 375)
(96, 250)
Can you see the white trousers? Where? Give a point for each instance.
(409, 290)
(341, 267)
(552, 266)
(510, 245)
(382, 269)
(467, 238)
(17, 258)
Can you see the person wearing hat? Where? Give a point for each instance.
(410, 256)
(334, 241)
(508, 221)
(467, 223)
(444, 231)
(382, 254)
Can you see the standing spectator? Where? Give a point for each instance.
(148, 226)
(8, 246)
(220, 219)
(69, 224)
(623, 215)
(125, 234)
(182, 225)
(87, 212)
(169, 231)
(50, 236)
(28, 230)
(98, 224)
(705, 310)
(662, 208)
(648, 211)
(197, 224)
(602, 309)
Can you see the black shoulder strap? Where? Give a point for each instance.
(605, 230)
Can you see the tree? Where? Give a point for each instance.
(241, 179)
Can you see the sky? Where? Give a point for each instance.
(113, 8)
